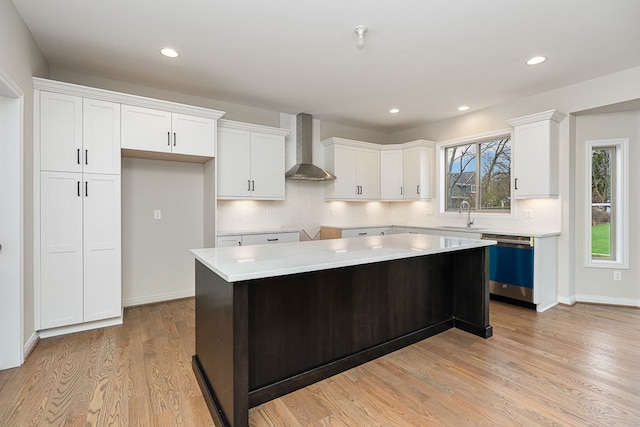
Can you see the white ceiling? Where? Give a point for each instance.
(425, 57)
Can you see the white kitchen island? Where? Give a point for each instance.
(272, 319)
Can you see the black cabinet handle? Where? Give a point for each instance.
(253, 185)
(516, 183)
(78, 188)
(418, 189)
(248, 185)
(86, 189)
(401, 191)
(362, 234)
(174, 139)
(169, 138)
(272, 240)
(86, 157)
(78, 156)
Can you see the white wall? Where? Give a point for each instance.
(597, 284)
(21, 59)
(156, 262)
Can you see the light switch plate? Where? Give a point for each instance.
(157, 214)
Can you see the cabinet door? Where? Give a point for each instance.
(345, 184)
(146, 129)
(535, 170)
(418, 173)
(391, 176)
(60, 249)
(101, 248)
(267, 166)
(234, 163)
(60, 132)
(193, 135)
(100, 137)
(368, 168)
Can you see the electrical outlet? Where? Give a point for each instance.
(617, 275)
(268, 212)
(157, 214)
(527, 214)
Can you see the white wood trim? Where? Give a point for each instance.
(123, 98)
(30, 344)
(554, 115)
(598, 299)
(350, 142)
(80, 327)
(131, 302)
(570, 300)
(12, 226)
(406, 145)
(230, 124)
(622, 201)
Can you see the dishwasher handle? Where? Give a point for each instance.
(521, 241)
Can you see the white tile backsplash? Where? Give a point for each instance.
(305, 209)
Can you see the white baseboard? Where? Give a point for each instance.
(54, 332)
(30, 344)
(130, 302)
(596, 299)
(570, 300)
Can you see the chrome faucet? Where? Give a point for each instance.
(466, 205)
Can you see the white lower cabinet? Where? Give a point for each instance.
(80, 266)
(257, 239)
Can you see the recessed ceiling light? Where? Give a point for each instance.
(394, 111)
(536, 60)
(463, 108)
(168, 52)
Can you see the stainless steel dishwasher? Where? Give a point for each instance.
(511, 267)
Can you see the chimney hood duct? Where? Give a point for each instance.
(304, 169)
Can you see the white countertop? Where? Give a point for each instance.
(473, 229)
(259, 261)
(245, 232)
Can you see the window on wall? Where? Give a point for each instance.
(606, 209)
(480, 173)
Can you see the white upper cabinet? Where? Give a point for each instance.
(356, 167)
(419, 172)
(250, 161)
(60, 132)
(79, 135)
(535, 154)
(100, 136)
(193, 135)
(391, 175)
(148, 129)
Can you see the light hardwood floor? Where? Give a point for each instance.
(567, 367)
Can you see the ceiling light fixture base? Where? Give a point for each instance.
(360, 30)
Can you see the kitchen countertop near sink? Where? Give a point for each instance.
(457, 229)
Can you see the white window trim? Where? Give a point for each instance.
(441, 146)
(622, 204)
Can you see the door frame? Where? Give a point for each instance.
(11, 223)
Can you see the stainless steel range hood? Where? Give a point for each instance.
(304, 169)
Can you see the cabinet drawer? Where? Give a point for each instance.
(262, 239)
(227, 241)
(373, 231)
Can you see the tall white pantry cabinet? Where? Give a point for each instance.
(79, 218)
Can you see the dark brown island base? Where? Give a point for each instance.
(266, 327)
